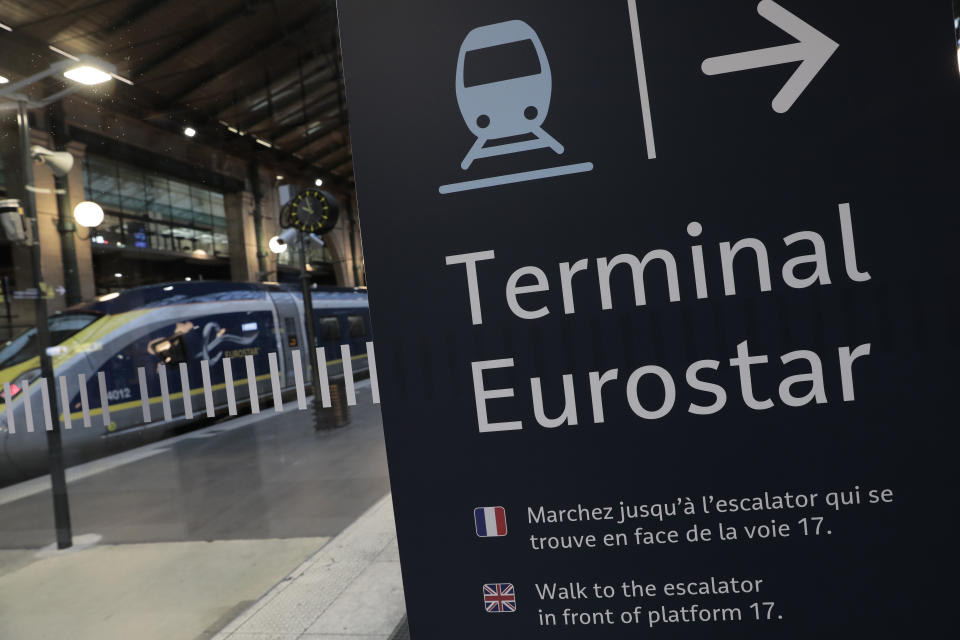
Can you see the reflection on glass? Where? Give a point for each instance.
(62, 326)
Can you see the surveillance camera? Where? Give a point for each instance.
(60, 162)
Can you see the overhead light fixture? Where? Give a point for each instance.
(5, 27)
(187, 279)
(88, 214)
(168, 288)
(87, 74)
(4, 80)
(109, 296)
(318, 182)
(189, 132)
(118, 275)
(264, 143)
(279, 177)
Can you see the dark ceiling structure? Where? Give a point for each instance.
(253, 77)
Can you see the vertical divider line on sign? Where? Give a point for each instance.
(84, 400)
(298, 377)
(45, 398)
(372, 368)
(65, 402)
(207, 388)
(348, 374)
(186, 391)
(164, 392)
(231, 392)
(144, 394)
(104, 399)
(252, 385)
(27, 405)
(324, 378)
(275, 383)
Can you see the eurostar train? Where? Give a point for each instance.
(100, 347)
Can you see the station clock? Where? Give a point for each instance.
(313, 211)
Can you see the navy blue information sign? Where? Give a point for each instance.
(665, 305)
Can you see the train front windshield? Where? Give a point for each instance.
(502, 62)
(24, 346)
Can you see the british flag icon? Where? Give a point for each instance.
(499, 597)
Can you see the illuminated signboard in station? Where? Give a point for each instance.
(664, 325)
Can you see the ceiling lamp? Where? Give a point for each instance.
(86, 74)
(88, 214)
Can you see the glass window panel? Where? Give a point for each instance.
(328, 328)
(203, 240)
(358, 326)
(220, 244)
(109, 233)
(200, 202)
(158, 197)
(160, 237)
(191, 217)
(133, 195)
(183, 239)
(180, 211)
(101, 177)
(138, 236)
(218, 208)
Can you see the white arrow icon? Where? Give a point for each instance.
(812, 50)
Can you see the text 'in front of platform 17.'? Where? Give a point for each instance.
(662, 296)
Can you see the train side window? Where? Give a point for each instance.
(358, 326)
(329, 329)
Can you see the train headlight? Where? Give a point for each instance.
(14, 392)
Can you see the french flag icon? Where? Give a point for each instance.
(491, 521)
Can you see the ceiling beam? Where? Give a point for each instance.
(344, 168)
(290, 107)
(259, 98)
(336, 156)
(329, 150)
(322, 140)
(140, 10)
(260, 48)
(319, 111)
(195, 36)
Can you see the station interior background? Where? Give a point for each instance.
(201, 478)
(258, 84)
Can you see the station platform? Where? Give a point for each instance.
(254, 527)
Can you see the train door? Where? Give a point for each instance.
(288, 326)
(357, 334)
(330, 336)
